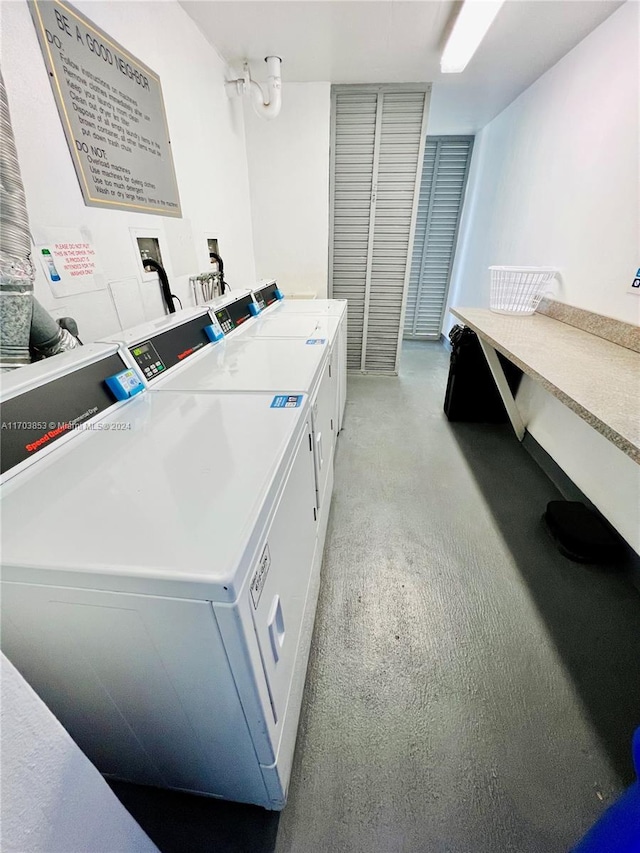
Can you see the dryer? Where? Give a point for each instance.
(160, 572)
(267, 295)
(312, 330)
(281, 318)
(272, 303)
(175, 358)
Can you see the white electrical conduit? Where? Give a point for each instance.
(268, 106)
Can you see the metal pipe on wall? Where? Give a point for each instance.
(16, 269)
(26, 329)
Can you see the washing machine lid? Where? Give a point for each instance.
(318, 307)
(252, 364)
(304, 326)
(168, 497)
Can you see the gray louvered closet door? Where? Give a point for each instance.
(444, 179)
(377, 142)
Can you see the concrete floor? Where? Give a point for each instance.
(469, 689)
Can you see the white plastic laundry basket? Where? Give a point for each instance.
(518, 290)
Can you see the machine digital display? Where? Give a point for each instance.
(235, 314)
(156, 355)
(267, 295)
(148, 360)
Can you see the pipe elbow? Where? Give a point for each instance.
(269, 108)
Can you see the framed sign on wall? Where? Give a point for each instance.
(112, 113)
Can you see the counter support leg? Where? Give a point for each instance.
(503, 387)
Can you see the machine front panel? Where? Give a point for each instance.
(324, 418)
(279, 583)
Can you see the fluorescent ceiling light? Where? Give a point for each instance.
(475, 18)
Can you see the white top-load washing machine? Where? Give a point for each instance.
(160, 571)
(272, 303)
(293, 318)
(180, 357)
(312, 330)
(267, 295)
(305, 318)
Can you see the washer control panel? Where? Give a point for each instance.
(267, 295)
(155, 355)
(236, 313)
(33, 420)
(148, 360)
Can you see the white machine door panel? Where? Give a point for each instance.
(336, 374)
(342, 379)
(141, 683)
(280, 580)
(325, 424)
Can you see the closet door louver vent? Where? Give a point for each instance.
(444, 178)
(376, 154)
(354, 115)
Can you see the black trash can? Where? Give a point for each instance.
(472, 394)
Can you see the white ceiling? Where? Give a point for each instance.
(393, 41)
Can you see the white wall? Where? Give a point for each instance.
(207, 136)
(289, 179)
(554, 179)
(53, 798)
(554, 182)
